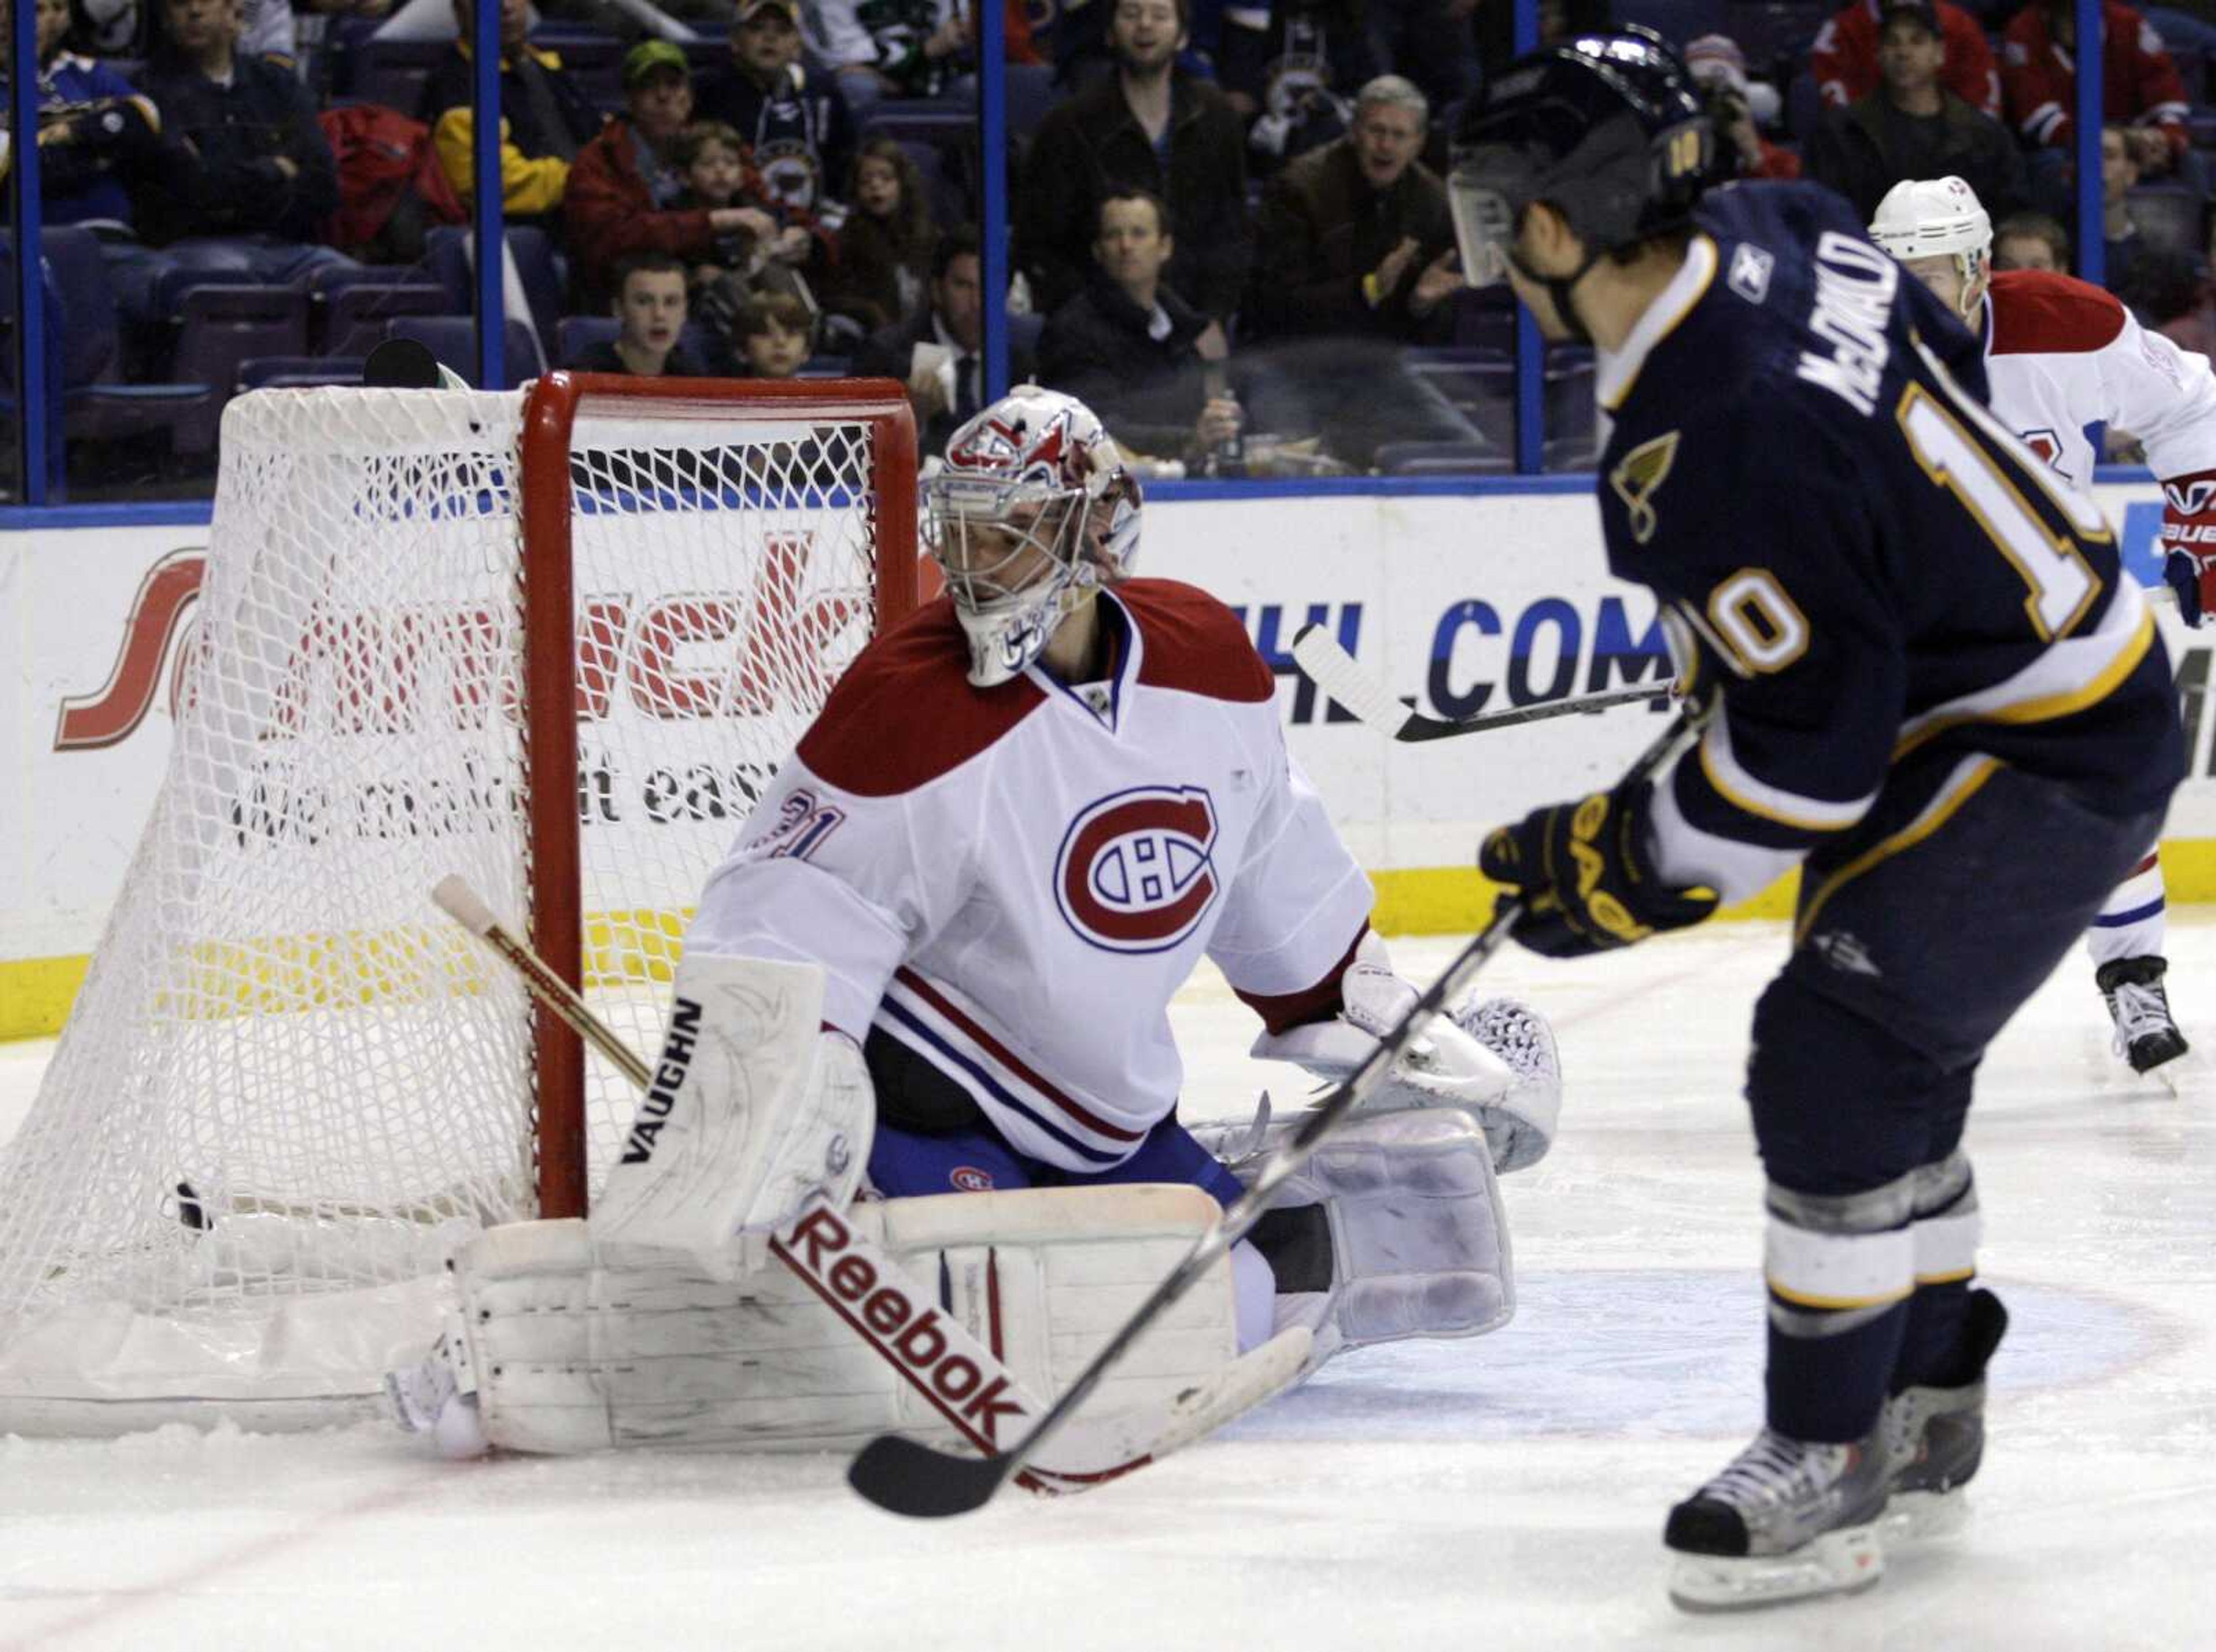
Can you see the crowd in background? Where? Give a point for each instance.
(1230, 233)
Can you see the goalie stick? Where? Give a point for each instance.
(934, 1353)
(907, 1477)
(1337, 672)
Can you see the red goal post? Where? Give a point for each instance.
(550, 419)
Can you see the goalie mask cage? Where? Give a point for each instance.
(555, 641)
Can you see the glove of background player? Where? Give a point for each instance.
(2188, 542)
(1584, 879)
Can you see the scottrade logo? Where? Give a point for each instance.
(1137, 872)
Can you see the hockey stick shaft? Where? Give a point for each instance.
(454, 897)
(1337, 674)
(907, 1479)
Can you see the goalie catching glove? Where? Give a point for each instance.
(1494, 1058)
(1583, 872)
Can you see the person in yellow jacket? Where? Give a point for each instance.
(545, 117)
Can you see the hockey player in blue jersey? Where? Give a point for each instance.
(1929, 686)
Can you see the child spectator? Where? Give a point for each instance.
(884, 246)
(1844, 59)
(650, 309)
(775, 336)
(798, 132)
(627, 193)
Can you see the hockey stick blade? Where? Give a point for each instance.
(897, 1474)
(1336, 672)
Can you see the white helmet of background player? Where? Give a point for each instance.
(1938, 231)
(1032, 513)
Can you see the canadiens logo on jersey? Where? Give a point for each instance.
(1137, 872)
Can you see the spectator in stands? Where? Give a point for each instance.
(2138, 84)
(243, 182)
(649, 311)
(884, 245)
(2170, 294)
(1355, 240)
(1356, 261)
(2121, 242)
(1846, 57)
(2031, 241)
(798, 131)
(1129, 347)
(1913, 127)
(1150, 125)
(545, 117)
(937, 354)
(95, 131)
(117, 28)
(927, 49)
(1290, 68)
(624, 190)
(775, 334)
(1718, 68)
(751, 239)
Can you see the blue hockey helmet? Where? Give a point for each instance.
(1608, 129)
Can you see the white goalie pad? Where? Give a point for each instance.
(573, 1346)
(751, 1108)
(1418, 1239)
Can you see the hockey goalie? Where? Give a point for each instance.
(928, 989)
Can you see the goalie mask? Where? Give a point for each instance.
(1939, 218)
(1030, 514)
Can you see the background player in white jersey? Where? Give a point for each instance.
(2061, 354)
(939, 961)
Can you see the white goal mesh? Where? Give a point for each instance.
(289, 1085)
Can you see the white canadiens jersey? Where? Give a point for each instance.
(1011, 883)
(2061, 354)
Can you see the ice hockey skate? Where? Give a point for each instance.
(1788, 1519)
(1934, 1435)
(2146, 1034)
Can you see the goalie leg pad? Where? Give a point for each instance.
(1419, 1240)
(751, 1108)
(578, 1346)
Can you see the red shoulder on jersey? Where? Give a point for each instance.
(905, 712)
(1194, 643)
(2038, 312)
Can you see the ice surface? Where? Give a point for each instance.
(1506, 1492)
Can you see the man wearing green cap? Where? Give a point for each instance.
(625, 183)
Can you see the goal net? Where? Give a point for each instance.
(554, 641)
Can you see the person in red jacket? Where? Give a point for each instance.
(1845, 57)
(2139, 84)
(622, 196)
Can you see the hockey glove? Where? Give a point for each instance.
(2188, 542)
(1583, 879)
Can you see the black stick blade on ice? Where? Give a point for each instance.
(903, 1477)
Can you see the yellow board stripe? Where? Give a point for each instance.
(35, 993)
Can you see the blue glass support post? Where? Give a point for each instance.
(993, 132)
(30, 266)
(488, 217)
(1531, 349)
(2092, 249)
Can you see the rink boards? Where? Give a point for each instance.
(1466, 602)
